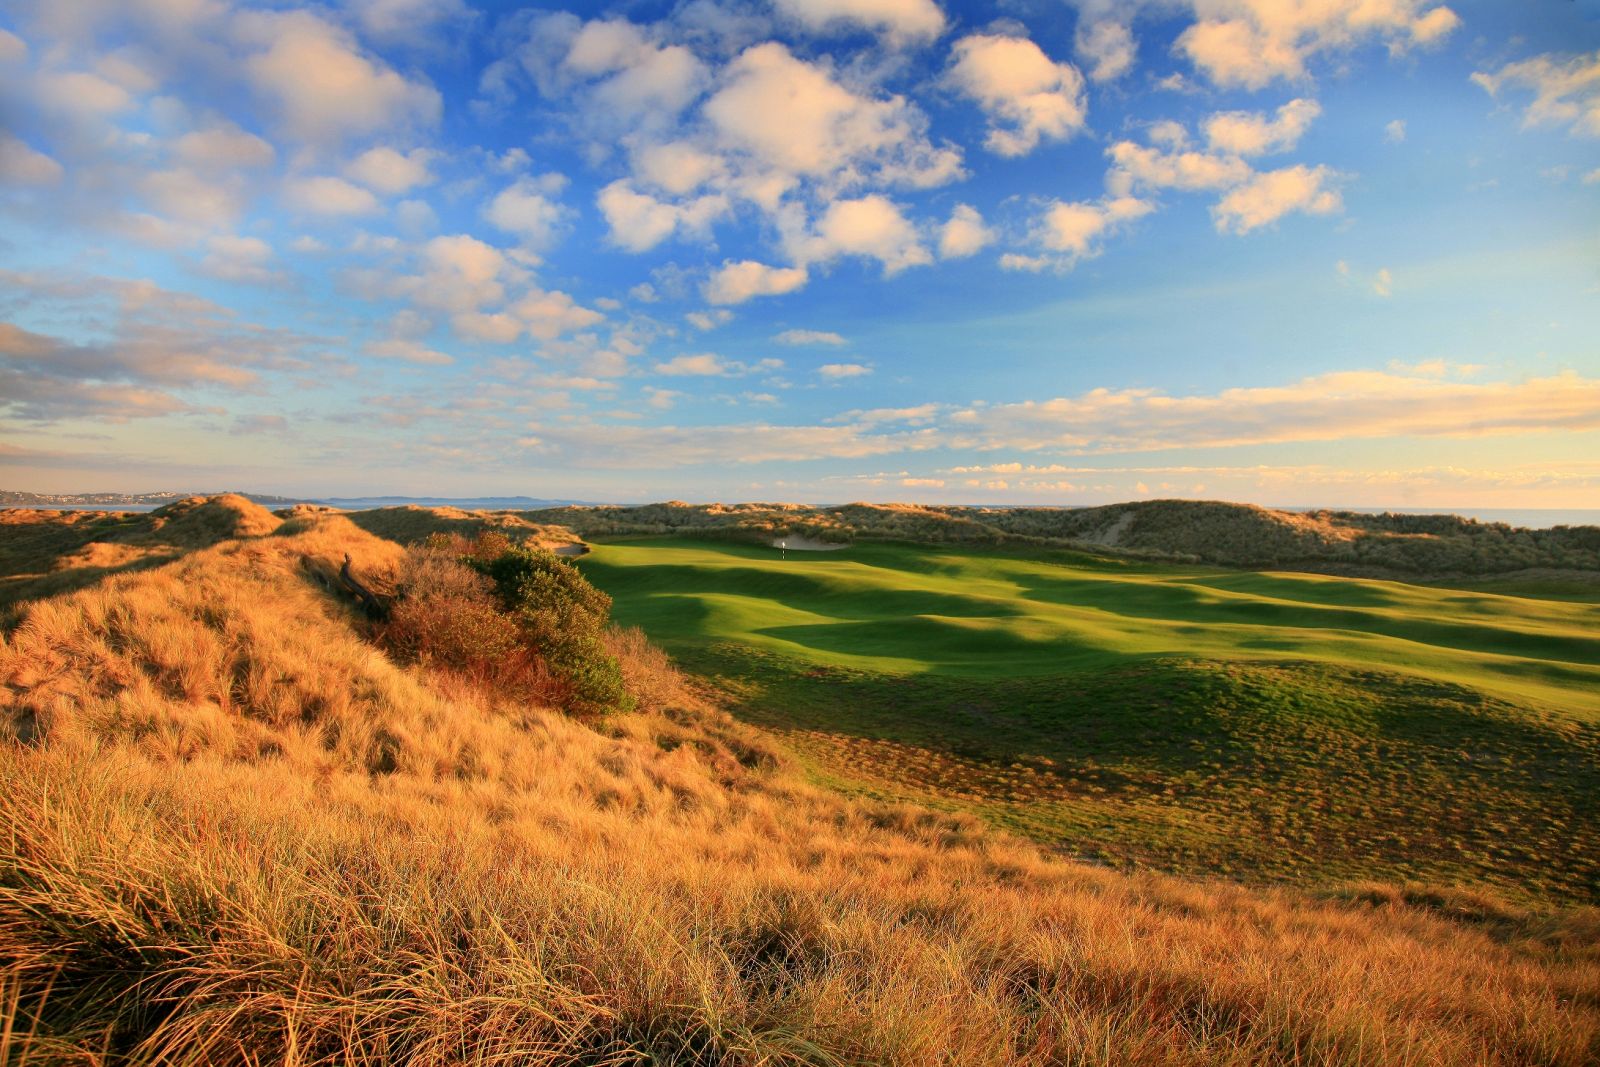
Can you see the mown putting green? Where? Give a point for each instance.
(1196, 718)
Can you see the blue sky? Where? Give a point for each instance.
(1040, 251)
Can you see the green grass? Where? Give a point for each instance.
(1191, 718)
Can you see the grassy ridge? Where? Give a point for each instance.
(1288, 726)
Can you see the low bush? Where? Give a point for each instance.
(518, 617)
(564, 617)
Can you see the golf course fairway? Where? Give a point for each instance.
(1261, 725)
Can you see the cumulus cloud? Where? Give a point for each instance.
(711, 365)
(1245, 133)
(1566, 89)
(1250, 44)
(180, 193)
(808, 337)
(414, 23)
(1068, 232)
(677, 167)
(222, 147)
(964, 233)
(1395, 131)
(406, 350)
(21, 164)
(235, 258)
(1270, 195)
(1027, 96)
(526, 209)
(1106, 46)
(1136, 166)
(736, 282)
(639, 222)
(387, 171)
(898, 20)
(323, 86)
(870, 226)
(837, 371)
(795, 118)
(327, 195)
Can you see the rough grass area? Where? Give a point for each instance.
(1142, 715)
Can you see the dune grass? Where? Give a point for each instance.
(1277, 726)
(232, 831)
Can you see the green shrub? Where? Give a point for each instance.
(564, 618)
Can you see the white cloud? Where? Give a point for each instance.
(1071, 231)
(641, 79)
(415, 23)
(1395, 131)
(406, 351)
(706, 364)
(1142, 166)
(711, 365)
(1106, 45)
(638, 221)
(1251, 43)
(1027, 96)
(1566, 89)
(964, 233)
(899, 20)
(460, 274)
(870, 226)
(81, 95)
(387, 171)
(182, 194)
(808, 337)
(222, 147)
(549, 314)
(13, 49)
(792, 117)
(677, 167)
(240, 259)
(324, 87)
(1383, 282)
(837, 371)
(736, 282)
(523, 208)
(1246, 133)
(1270, 195)
(21, 164)
(326, 195)
(709, 320)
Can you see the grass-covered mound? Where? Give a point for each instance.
(234, 830)
(1269, 726)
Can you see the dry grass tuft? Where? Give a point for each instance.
(233, 832)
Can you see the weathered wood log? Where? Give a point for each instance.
(369, 600)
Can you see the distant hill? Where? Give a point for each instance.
(1239, 535)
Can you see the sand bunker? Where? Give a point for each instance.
(570, 550)
(806, 544)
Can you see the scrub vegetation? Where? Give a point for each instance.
(238, 826)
